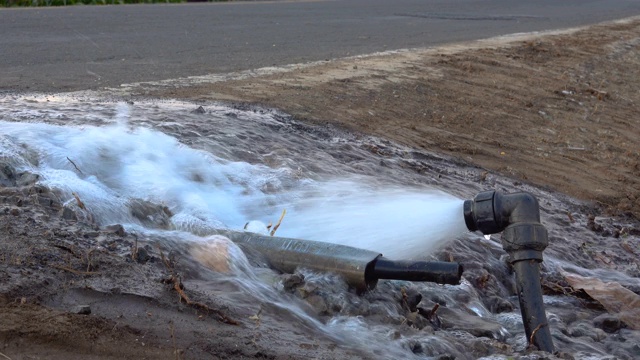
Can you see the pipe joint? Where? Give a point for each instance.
(491, 212)
(479, 214)
(525, 241)
(523, 238)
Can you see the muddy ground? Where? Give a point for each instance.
(559, 111)
(554, 114)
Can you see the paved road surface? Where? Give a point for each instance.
(82, 47)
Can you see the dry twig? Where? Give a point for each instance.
(75, 166)
(80, 203)
(5, 356)
(434, 309)
(405, 297)
(277, 225)
(571, 219)
(173, 340)
(179, 288)
(89, 259)
(134, 251)
(69, 249)
(74, 271)
(533, 333)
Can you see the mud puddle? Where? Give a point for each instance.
(147, 167)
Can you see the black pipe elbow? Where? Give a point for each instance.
(517, 214)
(491, 212)
(524, 238)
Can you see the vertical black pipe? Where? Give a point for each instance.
(524, 238)
(529, 291)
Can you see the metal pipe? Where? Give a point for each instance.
(524, 238)
(360, 268)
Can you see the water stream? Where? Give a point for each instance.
(221, 167)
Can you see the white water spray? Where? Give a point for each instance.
(117, 164)
(399, 223)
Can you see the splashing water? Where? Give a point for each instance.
(117, 164)
(396, 222)
(228, 166)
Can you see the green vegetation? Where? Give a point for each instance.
(23, 3)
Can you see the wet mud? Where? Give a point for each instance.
(76, 286)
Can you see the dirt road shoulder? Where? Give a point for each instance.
(557, 110)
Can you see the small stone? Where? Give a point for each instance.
(115, 229)
(82, 310)
(68, 214)
(7, 175)
(481, 348)
(411, 299)
(564, 355)
(608, 323)
(598, 334)
(42, 200)
(142, 255)
(499, 305)
(15, 211)
(585, 329)
(293, 281)
(579, 330)
(26, 179)
(318, 303)
(592, 225)
(445, 357)
(199, 110)
(417, 348)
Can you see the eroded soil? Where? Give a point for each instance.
(552, 112)
(559, 110)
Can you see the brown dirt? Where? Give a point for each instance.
(51, 265)
(556, 110)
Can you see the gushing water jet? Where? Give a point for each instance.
(516, 215)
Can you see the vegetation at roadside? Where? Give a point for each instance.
(31, 3)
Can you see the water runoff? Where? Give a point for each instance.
(226, 168)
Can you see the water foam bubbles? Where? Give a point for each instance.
(108, 166)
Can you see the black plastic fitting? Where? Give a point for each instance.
(517, 215)
(431, 271)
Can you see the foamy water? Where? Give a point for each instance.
(227, 167)
(109, 166)
(110, 161)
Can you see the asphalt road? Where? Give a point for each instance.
(87, 47)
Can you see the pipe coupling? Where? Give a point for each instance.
(525, 241)
(479, 214)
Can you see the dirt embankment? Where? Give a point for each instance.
(557, 110)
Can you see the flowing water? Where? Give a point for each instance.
(109, 166)
(220, 167)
